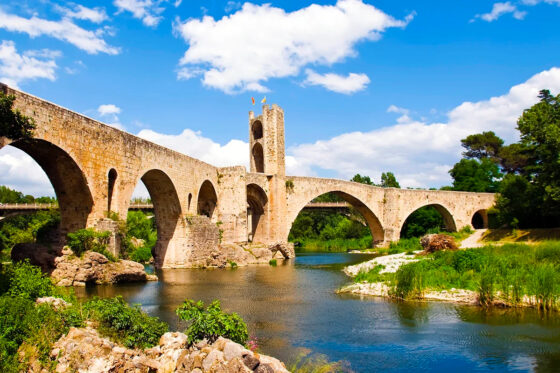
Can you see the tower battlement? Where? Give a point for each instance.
(266, 141)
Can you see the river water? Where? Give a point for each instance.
(293, 308)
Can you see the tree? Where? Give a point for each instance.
(472, 175)
(362, 179)
(513, 158)
(13, 124)
(388, 180)
(482, 145)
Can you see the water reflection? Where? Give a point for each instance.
(294, 306)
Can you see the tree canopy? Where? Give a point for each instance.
(13, 124)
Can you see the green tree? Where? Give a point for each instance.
(424, 220)
(388, 180)
(13, 124)
(362, 179)
(514, 158)
(472, 175)
(482, 145)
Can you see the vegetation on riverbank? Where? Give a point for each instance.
(513, 273)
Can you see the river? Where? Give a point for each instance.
(293, 308)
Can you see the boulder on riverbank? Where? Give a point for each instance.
(437, 242)
(94, 267)
(83, 350)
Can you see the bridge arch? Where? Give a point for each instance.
(448, 219)
(372, 221)
(69, 182)
(257, 214)
(167, 210)
(480, 219)
(207, 199)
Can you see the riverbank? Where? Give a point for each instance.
(511, 275)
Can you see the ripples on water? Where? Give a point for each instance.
(293, 307)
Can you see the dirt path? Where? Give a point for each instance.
(473, 240)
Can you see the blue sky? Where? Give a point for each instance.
(367, 86)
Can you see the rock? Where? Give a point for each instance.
(94, 267)
(37, 254)
(437, 242)
(137, 242)
(233, 350)
(214, 357)
(56, 303)
(264, 368)
(250, 361)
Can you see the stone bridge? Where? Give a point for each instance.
(94, 169)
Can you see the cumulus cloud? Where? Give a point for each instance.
(235, 152)
(337, 83)
(420, 153)
(110, 113)
(95, 15)
(500, 9)
(258, 42)
(34, 64)
(149, 11)
(64, 29)
(19, 171)
(108, 109)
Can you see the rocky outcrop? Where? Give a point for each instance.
(37, 254)
(437, 242)
(223, 255)
(83, 350)
(94, 267)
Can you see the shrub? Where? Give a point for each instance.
(370, 276)
(141, 254)
(27, 281)
(273, 262)
(126, 324)
(90, 240)
(409, 280)
(211, 322)
(486, 287)
(405, 245)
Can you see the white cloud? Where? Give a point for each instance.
(149, 11)
(421, 153)
(65, 29)
(108, 109)
(95, 15)
(20, 172)
(259, 42)
(235, 152)
(16, 68)
(500, 9)
(337, 83)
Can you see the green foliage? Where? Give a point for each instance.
(25, 229)
(371, 276)
(125, 324)
(424, 220)
(273, 262)
(388, 180)
(482, 145)
(336, 245)
(486, 286)
(27, 281)
(473, 175)
(13, 124)
(211, 322)
(90, 240)
(317, 363)
(140, 225)
(404, 245)
(409, 281)
(362, 179)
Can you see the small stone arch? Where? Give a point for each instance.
(257, 130)
(480, 219)
(189, 200)
(167, 210)
(372, 221)
(68, 180)
(448, 219)
(207, 199)
(111, 180)
(258, 157)
(257, 214)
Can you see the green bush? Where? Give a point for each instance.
(409, 280)
(372, 275)
(27, 281)
(141, 254)
(273, 262)
(126, 324)
(211, 322)
(405, 245)
(90, 240)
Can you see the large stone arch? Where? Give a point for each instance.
(68, 180)
(207, 200)
(372, 221)
(257, 214)
(167, 210)
(448, 218)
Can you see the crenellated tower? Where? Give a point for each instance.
(266, 141)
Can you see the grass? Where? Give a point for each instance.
(511, 272)
(337, 245)
(521, 235)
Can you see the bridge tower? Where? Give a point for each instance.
(266, 141)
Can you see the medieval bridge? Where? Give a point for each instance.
(94, 169)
